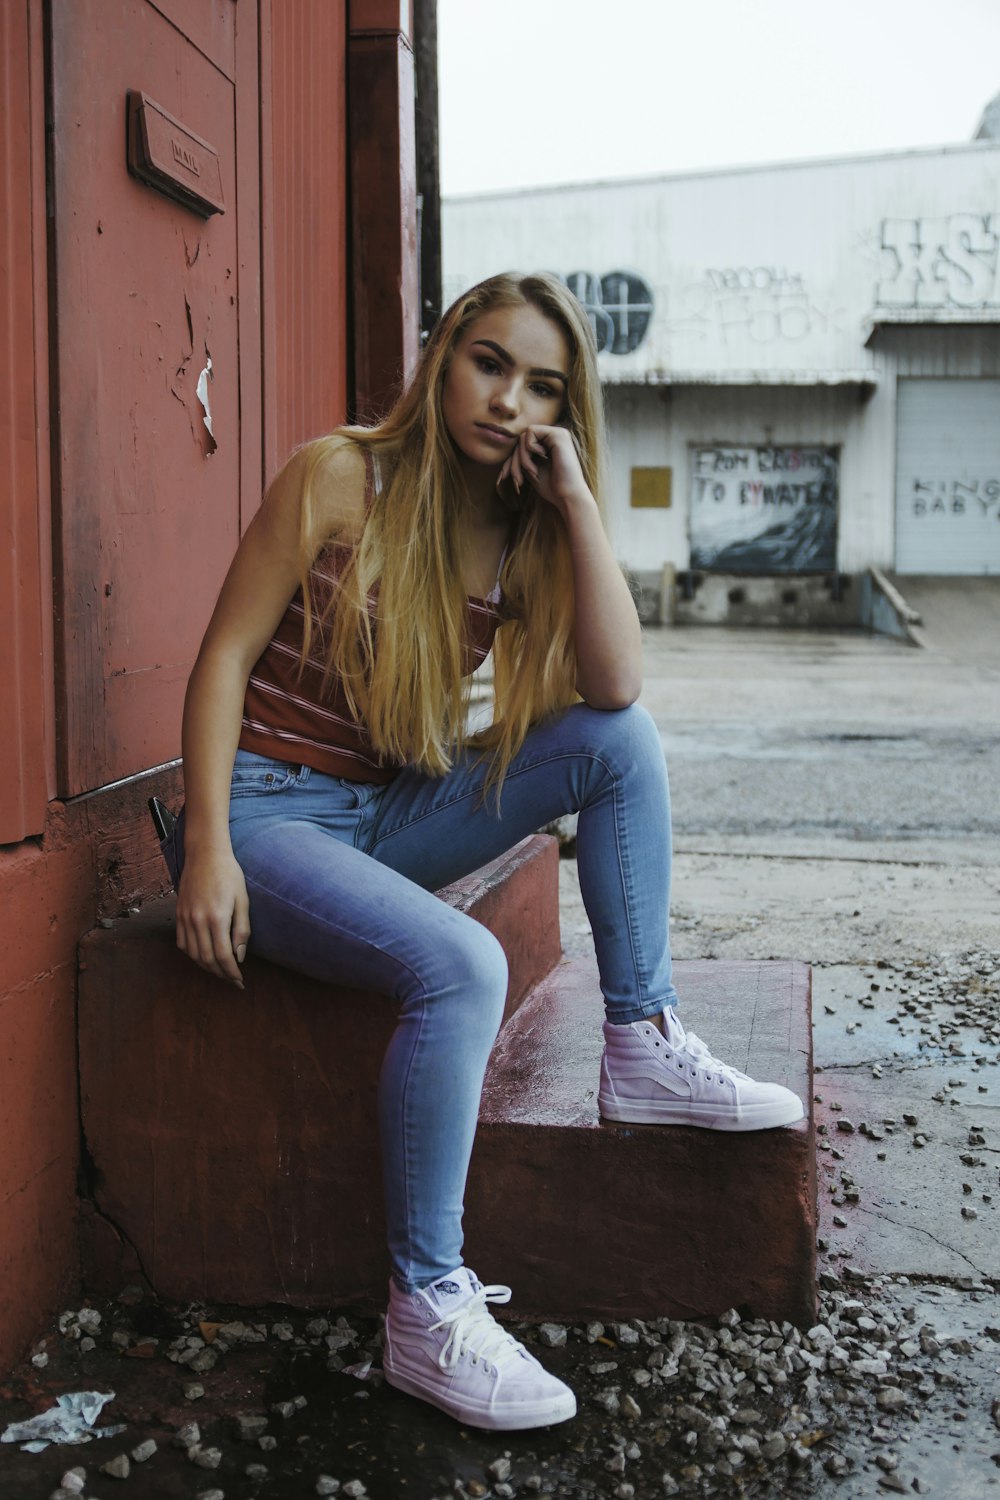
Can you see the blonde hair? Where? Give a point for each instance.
(412, 692)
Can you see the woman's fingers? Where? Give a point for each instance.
(533, 453)
(213, 915)
(207, 939)
(241, 927)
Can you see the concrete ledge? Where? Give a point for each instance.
(586, 1218)
(789, 600)
(232, 1136)
(885, 611)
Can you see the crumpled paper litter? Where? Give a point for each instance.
(71, 1420)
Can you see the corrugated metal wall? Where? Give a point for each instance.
(964, 350)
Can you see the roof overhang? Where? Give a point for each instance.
(865, 380)
(927, 317)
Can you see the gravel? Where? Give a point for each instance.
(667, 1407)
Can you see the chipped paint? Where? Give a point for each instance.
(201, 391)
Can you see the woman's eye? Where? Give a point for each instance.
(545, 391)
(488, 366)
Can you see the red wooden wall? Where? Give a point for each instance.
(304, 188)
(26, 747)
(115, 548)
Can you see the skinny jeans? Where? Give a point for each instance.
(341, 876)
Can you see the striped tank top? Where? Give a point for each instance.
(295, 718)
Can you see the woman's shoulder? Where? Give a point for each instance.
(331, 475)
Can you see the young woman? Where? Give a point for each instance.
(332, 786)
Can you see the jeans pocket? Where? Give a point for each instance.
(258, 775)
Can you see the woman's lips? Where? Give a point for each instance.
(495, 434)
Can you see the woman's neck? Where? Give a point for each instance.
(486, 510)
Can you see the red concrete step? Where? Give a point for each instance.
(233, 1135)
(586, 1218)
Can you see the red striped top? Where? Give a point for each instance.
(291, 717)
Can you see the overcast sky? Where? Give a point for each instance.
(543, 91)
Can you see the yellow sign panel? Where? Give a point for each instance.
(651, 488)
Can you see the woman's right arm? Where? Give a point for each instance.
(213, 924)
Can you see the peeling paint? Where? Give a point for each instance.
(201, 391)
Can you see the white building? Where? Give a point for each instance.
(801, 361)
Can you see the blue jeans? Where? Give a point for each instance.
(341, 876)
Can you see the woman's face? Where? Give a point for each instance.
(508, 371)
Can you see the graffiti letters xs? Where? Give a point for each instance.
(946, 262)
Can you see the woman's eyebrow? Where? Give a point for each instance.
(508, 359)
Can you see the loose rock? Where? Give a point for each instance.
(118, 1467)
(205, 1458)
(251, 1425)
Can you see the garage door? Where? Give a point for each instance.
(948, 476)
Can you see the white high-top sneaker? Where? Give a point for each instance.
(443, 1345)
(672, 1079)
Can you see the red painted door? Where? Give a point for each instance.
(157, 310)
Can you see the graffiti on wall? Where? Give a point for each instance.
(940, 262)
(764, 510)
(762, 304)
(955, 497)
(619, 306)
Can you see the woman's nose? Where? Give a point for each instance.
(505, 399)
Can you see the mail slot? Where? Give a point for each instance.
(167, 156)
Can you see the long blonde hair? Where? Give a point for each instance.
(412, 692)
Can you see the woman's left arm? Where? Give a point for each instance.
(608, 634)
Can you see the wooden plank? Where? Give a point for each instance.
(304, 127)
(25, 590)
(383, 217)
(146, 296)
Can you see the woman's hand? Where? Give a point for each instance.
(607, 635)
(213, 914)
(548, 457)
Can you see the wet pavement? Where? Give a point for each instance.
(892, 894)
(889, 1392)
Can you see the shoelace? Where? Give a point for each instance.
(473, 1327)
(695, 1047)
(692, 1046)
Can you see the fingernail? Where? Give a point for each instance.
(241, 953)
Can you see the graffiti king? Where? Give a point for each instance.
(956, 497)
(946, 262)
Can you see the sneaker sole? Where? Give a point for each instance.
(664, 1112)
(545, 1414)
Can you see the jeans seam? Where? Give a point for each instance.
(625, 867)
(405, 1128)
